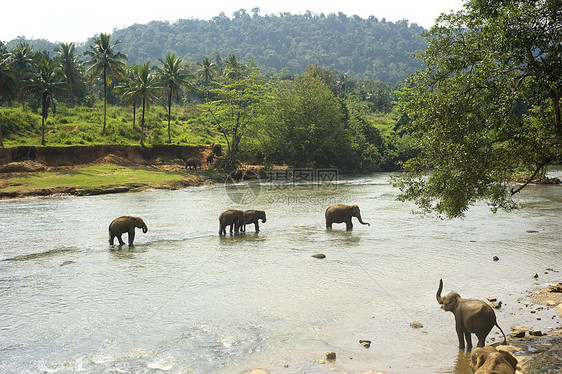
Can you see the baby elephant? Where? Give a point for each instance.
(125, 224)
(471, 316)
(489, 360)
(253, 216)
(193, 162)
(233, 218)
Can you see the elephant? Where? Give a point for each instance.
(253, 216)
(125, 224)
(339, 213)
(210, 159)
(216, 148)
(233, 218)
(471, 316)
(193, 162)
(488, 360)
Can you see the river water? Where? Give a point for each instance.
(184, 300)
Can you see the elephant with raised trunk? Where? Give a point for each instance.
(253, 216)
(125, 224)
(233, 218)
(339, 213)
(471, 316)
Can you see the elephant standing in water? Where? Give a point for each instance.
(125, 224)
(253, 216)
(233, 218)
(339, 213)
(471, 316)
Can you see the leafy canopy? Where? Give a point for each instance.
(486, 108)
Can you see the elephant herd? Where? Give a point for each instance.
(472, 316)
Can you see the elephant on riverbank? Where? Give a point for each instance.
(216, 149)
(125, 224)
(339, 213)
(233, 218)
(193, 162)
(253, 216)
(471, 316)
(489, 360)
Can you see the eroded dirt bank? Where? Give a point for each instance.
(82, 155)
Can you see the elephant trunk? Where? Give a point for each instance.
(144, 229)
(361, 221)
(438, 295)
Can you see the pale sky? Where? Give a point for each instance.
(76, 21)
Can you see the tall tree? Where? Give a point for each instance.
(307, 124)
(174, 77)
(207, 70)
(22, 65)
(235, 108)
(128, 89)
(8, 85)
(71, 66)
(145, 87)
(486, 108)
(104, 61)
(47, 81)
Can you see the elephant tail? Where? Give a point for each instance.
(504, 338)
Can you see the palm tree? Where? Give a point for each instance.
(8, 85)
(47, 81)
(128, 89)
(207, 69)
(175, 78)
(22, 65)
(106, 62)
(71, 66)
(145, 86)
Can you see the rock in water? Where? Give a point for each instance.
(319, 255)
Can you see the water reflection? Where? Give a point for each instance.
(462, 363)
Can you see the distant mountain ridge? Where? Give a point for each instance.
(367, 48)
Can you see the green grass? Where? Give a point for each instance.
(94, 177)
(82, 125)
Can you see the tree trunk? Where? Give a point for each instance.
(134, 113)
(43, 117)
(142, 122)
(1, 140)
(169, 115)
(104, 100)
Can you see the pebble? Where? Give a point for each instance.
(496, 258)
(319, 255)
(365, 343)
(535, 275)
(330, 355)
(416, 325)
(492, 299)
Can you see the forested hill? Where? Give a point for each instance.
(366, 48)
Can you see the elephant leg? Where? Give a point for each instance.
(481, 339)
(121, 242)
(328, 223)
(349, 225)
(131, 236)
(468, 339)
(257, 227)
(111, 238)
(460, 332)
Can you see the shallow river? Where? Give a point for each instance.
(184, 300)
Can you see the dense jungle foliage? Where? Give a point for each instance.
(366, 48)
(319, 118)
